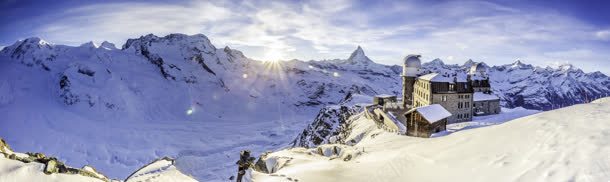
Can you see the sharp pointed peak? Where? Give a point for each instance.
(89, 44)
(518, 62)
(358, 50)
(437, 61)
(358, 56)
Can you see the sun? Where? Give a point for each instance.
(273, 55)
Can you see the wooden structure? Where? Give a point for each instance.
(426, 120)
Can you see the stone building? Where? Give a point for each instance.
(425, 120)
(454, 98)
(485, 104)
(454, 93)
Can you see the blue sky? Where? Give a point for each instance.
(497, 32)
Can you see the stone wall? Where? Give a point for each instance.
(482, 108)
(407, 90)
(451, 105)
(386, 120)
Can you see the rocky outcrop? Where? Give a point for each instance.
(51, 164)
(328, 127)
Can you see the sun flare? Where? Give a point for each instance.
(273, 55)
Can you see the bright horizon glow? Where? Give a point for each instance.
(272, 55)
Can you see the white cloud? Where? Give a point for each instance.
(603, 35)
(483, 31)
(120, 21)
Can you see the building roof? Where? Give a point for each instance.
(412, 61)
(385, 96)
(432, 113)
(436, 77)
(480, 96)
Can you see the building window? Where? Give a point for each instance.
(444, 98)
(451, 87)
(467, 104)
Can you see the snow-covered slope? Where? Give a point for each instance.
(17, 167)
(180, 96)
(163, 169)
(568, 144)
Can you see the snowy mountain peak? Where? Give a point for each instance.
(36, 40)
(108, 45)
(32, 42)
(197, 41)
(520, 65)
(436, 61)
(358, 57)
(566, 67)
(33, 48)
(89, 44)
(469, 63)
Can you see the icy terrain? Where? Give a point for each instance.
(568, 144)
(180, 96)
(18, 167)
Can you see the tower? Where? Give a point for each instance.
(478, 78)
(479, 70)
(410, 70)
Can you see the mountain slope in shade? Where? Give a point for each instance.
(203, 104)
(568, 144)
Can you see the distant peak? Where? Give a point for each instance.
(197, 40)
(566, 66)
(358, 56)
(358, 51)
(89, 44)
(35, 40)
(518, 62)
(108, 45)
(437, 61)
(30, 42)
